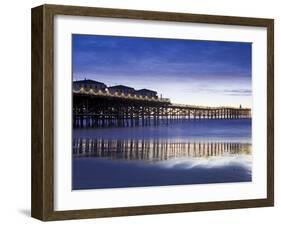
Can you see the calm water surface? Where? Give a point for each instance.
(189, 152)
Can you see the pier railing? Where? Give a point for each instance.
(107, 93)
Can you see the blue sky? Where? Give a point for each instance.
(186, 71)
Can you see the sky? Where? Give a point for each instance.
(208, 73)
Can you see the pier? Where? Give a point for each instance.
(110, 108)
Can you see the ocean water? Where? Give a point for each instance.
(186, 152)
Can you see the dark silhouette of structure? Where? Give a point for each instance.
(147, 92)
(88, 84)
(120, 89)
(96, 105)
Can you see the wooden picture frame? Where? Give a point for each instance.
(43, 107)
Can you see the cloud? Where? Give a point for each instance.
(238, 92)
(133, 57)
(228, 92)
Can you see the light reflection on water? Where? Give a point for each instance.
(243, 160)
(155, 150)
(192, 153)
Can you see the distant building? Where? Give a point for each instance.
(147, 92)
(121, 89)
(88, 84)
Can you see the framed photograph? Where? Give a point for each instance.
(142, 112)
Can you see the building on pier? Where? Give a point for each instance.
(147, 93)
(120, 89)
(88, 84)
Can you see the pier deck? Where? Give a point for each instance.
(104, 109)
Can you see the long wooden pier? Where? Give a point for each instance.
(104, 109)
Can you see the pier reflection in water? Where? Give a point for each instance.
(155, 150)
(193, 152)
(109, 163)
